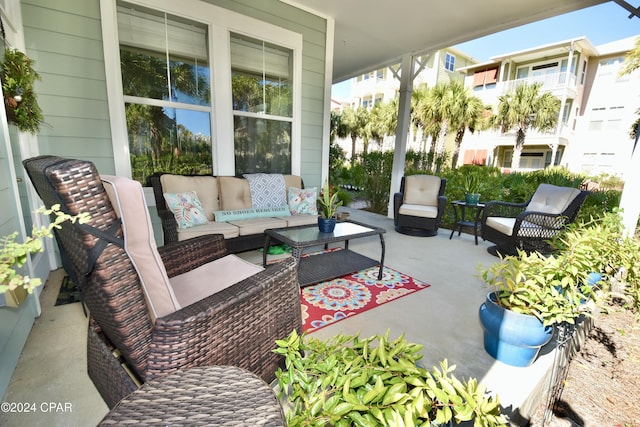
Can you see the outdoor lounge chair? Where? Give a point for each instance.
(140, 327)
(529, 226)
(419, 206)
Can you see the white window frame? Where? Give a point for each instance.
(221, 22)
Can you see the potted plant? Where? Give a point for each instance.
(14, 254)
(471, 187)
(346, 380)
(329, 204)
(530, 294)
(18, 79)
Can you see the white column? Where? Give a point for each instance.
(404, 111)
(629, 201)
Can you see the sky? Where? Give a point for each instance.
(601, 24)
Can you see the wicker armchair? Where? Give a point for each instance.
(419, 206)
(529, 226)
(127, 345)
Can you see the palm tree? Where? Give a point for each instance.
(526, 108)
(463, 111)
(353, 125)
(383, 120)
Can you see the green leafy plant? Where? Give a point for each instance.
(471, 184)
(328, 201)
(548, 287)
(14, 254)
(345, 381)
(18, 79)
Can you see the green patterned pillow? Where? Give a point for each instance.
(187, 209)
(303, 200)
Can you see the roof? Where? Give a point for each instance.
(371, 34)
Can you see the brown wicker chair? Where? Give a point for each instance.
(530, 226)
(126, 347)
(419, 206)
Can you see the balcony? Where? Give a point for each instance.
(559, 84)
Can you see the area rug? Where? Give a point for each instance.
(332, 301)
(68, 293)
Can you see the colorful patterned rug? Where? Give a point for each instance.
(332, 301)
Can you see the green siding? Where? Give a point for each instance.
(65, 40)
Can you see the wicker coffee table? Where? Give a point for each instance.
(328, 265)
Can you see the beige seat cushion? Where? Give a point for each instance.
(128, 201)
(206, 187)
(257, 225)
(552, 199)
(418, 210)
(301, 219)
(505, 226)
(501, 224)
(228, 230)
(292, 181)
(210, 278)
(421, 190)
(234, 193)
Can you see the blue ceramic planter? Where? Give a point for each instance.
(512, 338)
(472, 199)
(326, 225)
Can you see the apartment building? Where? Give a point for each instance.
(597, 106)
(382, 85)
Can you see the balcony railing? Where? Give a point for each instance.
(550, 82)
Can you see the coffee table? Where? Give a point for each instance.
(327, 265)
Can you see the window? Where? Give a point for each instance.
(166, 85)
(449, 62)
(487, 78)
(163, 119)
(567, 111)
(261, 77)
(583, 75)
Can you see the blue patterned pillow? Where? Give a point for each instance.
(303, 200)
(268, 190)
(186, 208)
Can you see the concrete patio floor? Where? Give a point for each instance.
(444, 318)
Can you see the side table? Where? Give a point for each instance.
(459, 210)
(208, 396)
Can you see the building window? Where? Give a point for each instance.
(166, 85)
(567, 111)
(164, 120)
(261, 83)
(449, 62)
(583, 75)
(487, 78)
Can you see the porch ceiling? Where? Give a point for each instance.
(374, 33)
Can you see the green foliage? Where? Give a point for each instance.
(553, 288)
(599, 244)
(347, 381)
(18, 79)
(376, 168)
(328, 201)
(14, 254)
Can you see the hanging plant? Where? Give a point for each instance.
(21, 104)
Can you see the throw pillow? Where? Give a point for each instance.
(267, 190)
(240, 214)
(186, 208)
(303, 200)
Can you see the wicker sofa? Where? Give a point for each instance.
(221, 195)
